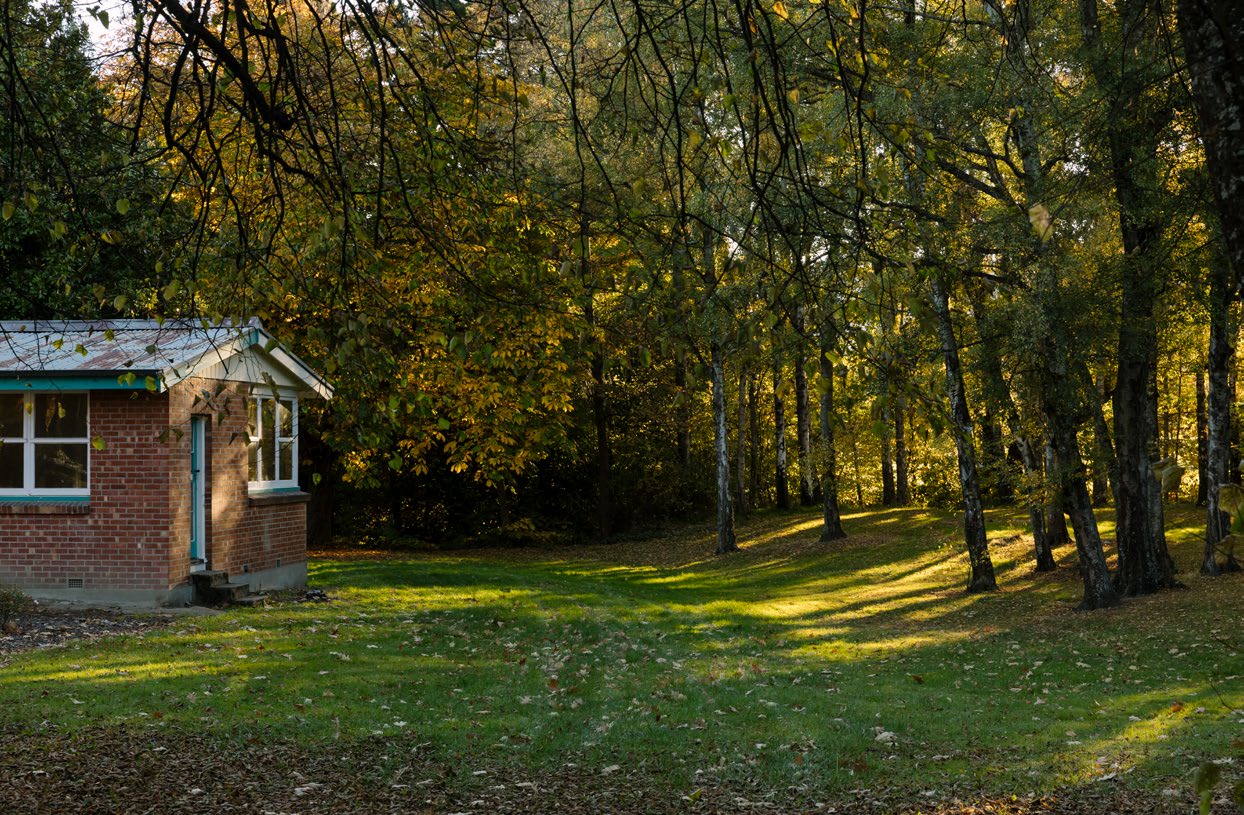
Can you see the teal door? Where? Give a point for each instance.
(198, 493)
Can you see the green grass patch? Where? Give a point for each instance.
(790, 664)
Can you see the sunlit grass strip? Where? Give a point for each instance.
(784, 665)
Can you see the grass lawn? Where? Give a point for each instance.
(654, 676)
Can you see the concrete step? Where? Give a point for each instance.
(251, 600)
(232, 592)
(209, 578)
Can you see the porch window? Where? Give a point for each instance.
(44, 444)
(272, 443)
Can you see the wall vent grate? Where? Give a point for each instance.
(75, 583)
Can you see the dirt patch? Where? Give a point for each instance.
(48, 627)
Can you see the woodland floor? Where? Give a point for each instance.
(647, 677)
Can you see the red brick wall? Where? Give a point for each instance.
(243, 532)
(135, 533)
(122, 540)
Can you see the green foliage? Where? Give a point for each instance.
(13, 601)
(1207, 777)
(70, 244)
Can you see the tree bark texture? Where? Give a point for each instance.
(600, 418)
(1202, 483)
(887, 465)
(753, 441)
(781, 480)
(1132, 129)
(981, 577)
(832, 529)
(740, 452)
(725, 511)
(902, 486)
(803, 427)
(1099, 591)
(1042, 552)
(1066, 472)
(1213, 38)
(1222, 290)
(1103, 449)
(604, 453)
(1055, 514)
(991, 364)
(682, 415)
(1057, 393)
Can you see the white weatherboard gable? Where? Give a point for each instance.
(250, 365)
(138, 351)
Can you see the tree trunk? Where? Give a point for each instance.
(1103, 449)
(1213, 39)
(887, 465)
(1132, 131)
(1223, 288)
(600, 417)
(902, 488)
(781, 479)
(740, 453)
(803, 427)
(753, 440)
(1099, 591)
(1052, 373)
(1042, 551)
(859, 478)
(832, 529)
(1233, 431)
(1055, 518)
(982, 574)
(996, 383)
(995, 465)
(604, 453)
(1201, 440)
(725, 512)
(682, 413)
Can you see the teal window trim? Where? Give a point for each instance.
(257, 493)
(45, 499)
(73, 383)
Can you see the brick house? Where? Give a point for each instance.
(134, 453)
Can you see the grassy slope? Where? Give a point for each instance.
(774, 668)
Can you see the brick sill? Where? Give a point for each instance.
(45, 508)
(274, 499)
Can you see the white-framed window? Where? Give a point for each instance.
(272, 443)
(45, 444)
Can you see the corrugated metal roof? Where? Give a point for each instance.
(112, 346)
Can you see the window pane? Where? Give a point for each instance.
(252, 461)
(11, 466)
(60, 466)
(287, 418)
(252, 425)
(287, 461)
(268, 456)
(267, 410)
(12, 408)
(60, 416)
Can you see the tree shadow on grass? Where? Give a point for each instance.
(732, 669)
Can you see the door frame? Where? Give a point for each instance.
(198, 493)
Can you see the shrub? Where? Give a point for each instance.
(12, 602)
